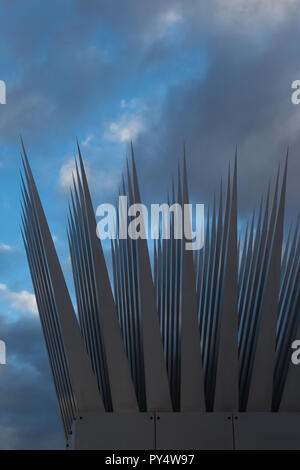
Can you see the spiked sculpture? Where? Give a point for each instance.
(197, 356)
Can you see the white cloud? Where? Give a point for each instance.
(128, 125)
(5, 248)
(163, 24)
(23, 300)
(106, 180)
(126, 129)
(86, 141)
(171, 17)
(254, 9)
(128, 104)
(66, 174)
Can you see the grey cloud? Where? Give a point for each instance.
(29, 414)
(244, 99)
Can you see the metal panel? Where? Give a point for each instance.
(267, 431)
(194, 431)
(114, 431)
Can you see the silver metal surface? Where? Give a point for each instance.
(194, 431)
(266, 431)
(114, 431)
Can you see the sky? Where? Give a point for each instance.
(212, 75)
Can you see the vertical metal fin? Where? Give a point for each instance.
(83, 380)
(226, 393)
(192, 388)
(156, 379)
(261, 388)
(121, 386)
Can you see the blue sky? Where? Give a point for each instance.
(211, 74)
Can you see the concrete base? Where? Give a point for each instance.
(186, 431)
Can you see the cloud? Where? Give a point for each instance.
(242, 98)
(125, 129)
(29, 417)
(129, 124)
(171, 17)
(276, 10)
(5, 248)
(128, 104)
(100, 179)
(87, 140)
(56, 81)
(22, 301)
(66, 174)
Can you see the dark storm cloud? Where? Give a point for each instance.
(64, 61)
(58, 74)
(244, 100)
(29, 414)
